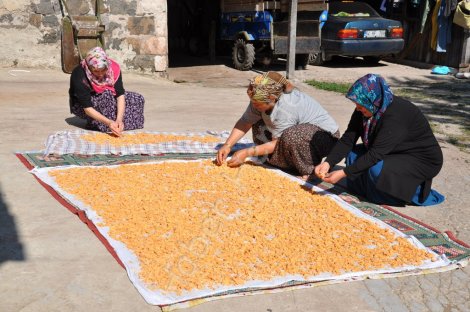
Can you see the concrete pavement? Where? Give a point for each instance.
(50, 261)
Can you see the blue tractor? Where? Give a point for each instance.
(261, 34)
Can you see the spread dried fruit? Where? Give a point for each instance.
(194, 225)
(144, 138)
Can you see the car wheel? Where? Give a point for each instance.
(243, 55)
(315, 59)
(372, 59)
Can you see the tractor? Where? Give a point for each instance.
(258, 31)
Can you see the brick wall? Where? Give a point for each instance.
(136, 32)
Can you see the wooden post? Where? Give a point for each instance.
(291, 39)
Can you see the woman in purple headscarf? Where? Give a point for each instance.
(97, 95)
(399, 155)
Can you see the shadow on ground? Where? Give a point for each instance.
(11, 248)
(185, 60)
(350, 62)
(445, 103)
(77, 122)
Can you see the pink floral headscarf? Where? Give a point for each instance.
(96, 58)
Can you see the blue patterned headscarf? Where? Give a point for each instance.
(373, 93)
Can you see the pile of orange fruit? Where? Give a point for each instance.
(143, 138)
(195, 225)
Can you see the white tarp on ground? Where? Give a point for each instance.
(156, 297)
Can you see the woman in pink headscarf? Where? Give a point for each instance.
(97, 95)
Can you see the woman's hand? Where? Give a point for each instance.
(116, 127)
(120, 125)
(238, 158)
(322, 170)
(334, 176)
(222, 154)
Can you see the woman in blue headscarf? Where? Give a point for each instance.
(399, 155)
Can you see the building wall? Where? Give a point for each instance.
(136, 32)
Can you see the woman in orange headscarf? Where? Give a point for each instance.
(290, 129)
(97, 95)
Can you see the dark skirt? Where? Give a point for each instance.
(299, 149)
(106, 104)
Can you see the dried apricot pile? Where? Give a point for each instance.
(143, 138)
(194, 225)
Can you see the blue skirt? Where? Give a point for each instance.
(365, 185)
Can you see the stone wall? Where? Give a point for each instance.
(136, 32)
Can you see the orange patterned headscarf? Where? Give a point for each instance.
(269, 84)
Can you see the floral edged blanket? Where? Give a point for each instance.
(442, 243)
(74, 142)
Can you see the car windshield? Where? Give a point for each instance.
(351, 9)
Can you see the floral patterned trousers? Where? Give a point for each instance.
(106, 104)
(299, 149)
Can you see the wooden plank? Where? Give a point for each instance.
(306, 28)
(302, 1)
(272, 5)
(239, 8)
(305, 6)
(228, 6)
(237, 2)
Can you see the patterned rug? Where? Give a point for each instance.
(440, 242)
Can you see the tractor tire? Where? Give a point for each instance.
(315, 59)
(243, 55)
(301, 61)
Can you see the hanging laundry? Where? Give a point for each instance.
(383, 6)
(444, 35)
(451, 5)
(424, 16)
(441, 28)
(415, 3)
(435, 25)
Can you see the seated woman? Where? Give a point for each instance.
(399, 156)
(289, 127)
(97, 95)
